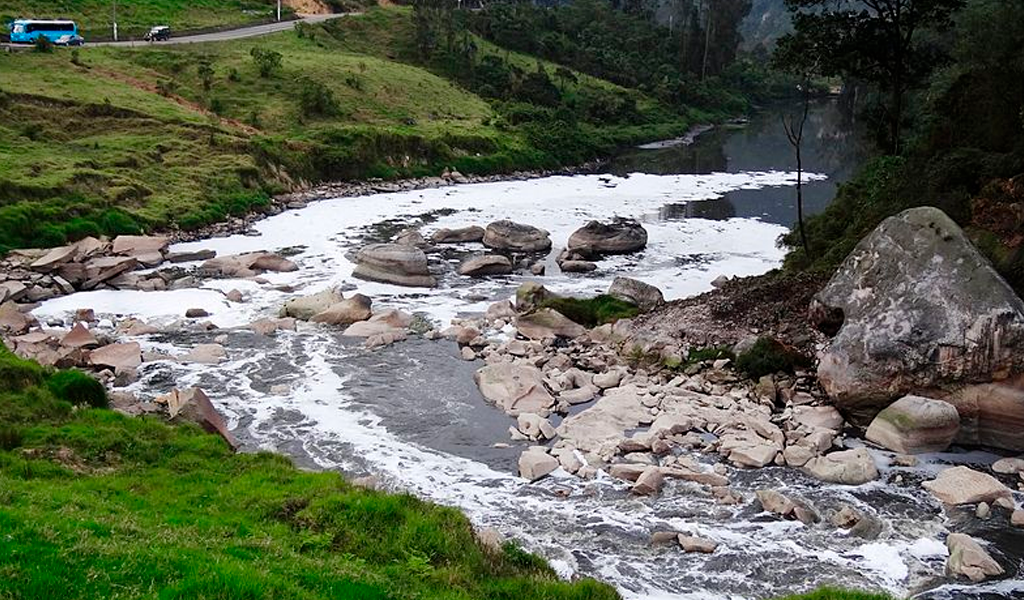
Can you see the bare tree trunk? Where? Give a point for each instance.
(707, 40)
(795, 134)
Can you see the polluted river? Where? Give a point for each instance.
(411, 415)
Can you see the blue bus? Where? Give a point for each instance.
(25, 31)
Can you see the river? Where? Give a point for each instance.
(411, 414)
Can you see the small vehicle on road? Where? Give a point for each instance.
(158, 33)
(72, 39)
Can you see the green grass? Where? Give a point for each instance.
(591, 312)
(838, 594)
(135, 17)
(97, 505)
(768, 356)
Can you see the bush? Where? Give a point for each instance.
(316, 98)
(77, 388)
(267, 61)
(43, 44)
(768, 356)
(592, 312)
(16, 373)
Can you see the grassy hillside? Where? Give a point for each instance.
(135, 17)
(113, 140)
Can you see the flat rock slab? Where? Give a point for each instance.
(963, 485)
(117, 356)
(395, 264)
(132, 245)
(847, 467)
(516, 237)
(481, 266)
(461, 235)
(548, 323)
(515, 389)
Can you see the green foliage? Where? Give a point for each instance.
(206, 73)
(17, 373)
(768, 356)
(77, 388)
(591, 312)
(697, 355)
(42, 44)
(316, 99)
(267, 61)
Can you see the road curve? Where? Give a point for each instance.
(222, 36)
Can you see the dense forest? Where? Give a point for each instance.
(945, 97)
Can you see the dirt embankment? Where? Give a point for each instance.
(772, 304)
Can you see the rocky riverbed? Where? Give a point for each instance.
(666, 477)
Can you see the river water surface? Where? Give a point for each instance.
(411, 414)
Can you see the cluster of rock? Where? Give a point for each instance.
(596, 240)
(128, 262)
(508, 247)
(355, 313)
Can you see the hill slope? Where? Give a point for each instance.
(114, 140)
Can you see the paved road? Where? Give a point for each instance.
(221, 36)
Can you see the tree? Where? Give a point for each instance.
(206, 73)
(794, 129)
(875, 41)
(267, 61)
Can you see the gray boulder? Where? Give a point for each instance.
(968, 558)
(472, 233)
(915, 306)
(621, 236)
(644, 295)
(915, 425)
(548, 323)
(394, 263)
(848, 467)
(516, 237)
(348, 311)
(481, 266)
(305, 308)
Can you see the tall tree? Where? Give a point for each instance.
(875, 41)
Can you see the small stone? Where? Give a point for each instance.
(649, 482)
(1017, 518)
(468, 353)
(196, 313)
(983, 511)
(695, 544)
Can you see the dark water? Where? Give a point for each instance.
(833, 145)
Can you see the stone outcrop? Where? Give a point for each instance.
(243, 266)
(963, 485)
(473, 233)
(914, 425)
(394, 263)
(305, 308)
(621, 236)
(488, 264)
(194, 405)
(535, 463)
(969, 559)
(644, 295)
(515, 389)
(516, 237)
(348, 311)
(548, 323)
(991, 414)
(848, 467)
(915, 306)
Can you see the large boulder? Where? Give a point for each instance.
(530, 295)
(394, 263)
(535, 463)
(963, 485)
(194, 405)
(915, 306)
(621, 236)
(991, 414)
(516, 237)
(968, 558)
(548, 323)
(348, 311)
(848, 467)
(644, 295)
(483, 265)
(914, 425)
(516, 389)
(117, 356)
(305, 308)
(473, 233)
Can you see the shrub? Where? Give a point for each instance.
(267, 61)
(10, 437)
(77, 388)
(206, 73)
(316, 98)
(768, 356)
(16, 373)
(595, 311)
(43, 44)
